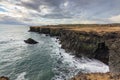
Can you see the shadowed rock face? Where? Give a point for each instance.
(30, 41)
(102, 52)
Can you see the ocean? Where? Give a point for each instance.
(43, 61)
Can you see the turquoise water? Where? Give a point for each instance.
(42, 61)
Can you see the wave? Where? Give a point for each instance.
(68, 65)
(21, 76)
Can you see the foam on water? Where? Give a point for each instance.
(69, 65)
(21, 76)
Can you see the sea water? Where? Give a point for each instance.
(43, 61)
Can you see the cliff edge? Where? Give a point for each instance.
(93, 41)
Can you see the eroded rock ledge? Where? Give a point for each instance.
(94, 41)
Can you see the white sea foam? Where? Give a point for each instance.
(21, 76)
(74, 65)
(86, 64)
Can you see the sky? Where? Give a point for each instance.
(39, 12)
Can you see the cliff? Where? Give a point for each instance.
(94, 41)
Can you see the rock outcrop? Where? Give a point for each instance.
(79, 43)
(4, 78)
(30, 41)
(101, 42)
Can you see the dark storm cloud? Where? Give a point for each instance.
(57, 7)
(53, 5)
(35, 4)
(75, 8)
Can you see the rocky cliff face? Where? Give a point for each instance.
(102, 46)
(79, 43)
(114, 61)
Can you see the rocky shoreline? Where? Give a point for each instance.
(93, 41)
(96, 76)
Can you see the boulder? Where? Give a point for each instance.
(30, 41)
(4, 78)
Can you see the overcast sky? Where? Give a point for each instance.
(36, 12)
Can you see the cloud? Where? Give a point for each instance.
(9, 20)
(63, 11)
(115, 19)
(50, 8)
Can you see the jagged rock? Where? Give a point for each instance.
(30, 41)
(4, 78)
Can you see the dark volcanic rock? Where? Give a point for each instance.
(4, 78)
(114, 61)
(30, 41)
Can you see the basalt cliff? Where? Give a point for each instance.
(93, 41)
